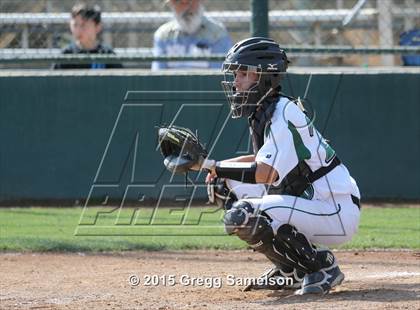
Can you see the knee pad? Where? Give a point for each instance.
(242, 221)
(255, 229)
(218, 192)
(238, 216)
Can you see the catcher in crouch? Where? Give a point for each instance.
(316, 201)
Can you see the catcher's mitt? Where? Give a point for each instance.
(180, 148)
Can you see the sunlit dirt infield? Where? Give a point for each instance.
(196, 280)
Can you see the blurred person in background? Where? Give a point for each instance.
(189, 33)
(85, 26)
(410, 38)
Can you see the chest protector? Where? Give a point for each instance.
(300, 177)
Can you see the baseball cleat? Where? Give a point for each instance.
(276, 279)
(321, 282)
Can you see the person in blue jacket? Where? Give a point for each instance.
(411, 38)
(189, 33)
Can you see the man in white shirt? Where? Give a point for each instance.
(189, 33)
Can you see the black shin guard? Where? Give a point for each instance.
(256, 230)
(289, 249)
(260, 237)
(295, 246)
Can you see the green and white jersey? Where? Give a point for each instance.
(291, 138)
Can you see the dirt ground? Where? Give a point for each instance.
(374, 280)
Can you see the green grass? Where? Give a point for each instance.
(387, 228)
(53, 229)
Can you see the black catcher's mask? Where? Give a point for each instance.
(262, 56)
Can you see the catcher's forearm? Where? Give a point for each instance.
(210, 164)
(247, 172)
(239, 171)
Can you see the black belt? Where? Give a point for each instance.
(323, 170)
(356, 201)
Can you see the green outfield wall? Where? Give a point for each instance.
(70, 136)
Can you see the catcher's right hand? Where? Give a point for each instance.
(181, 149)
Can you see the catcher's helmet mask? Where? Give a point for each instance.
(259, 55)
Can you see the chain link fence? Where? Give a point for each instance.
(314, 32)
(371, 24)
